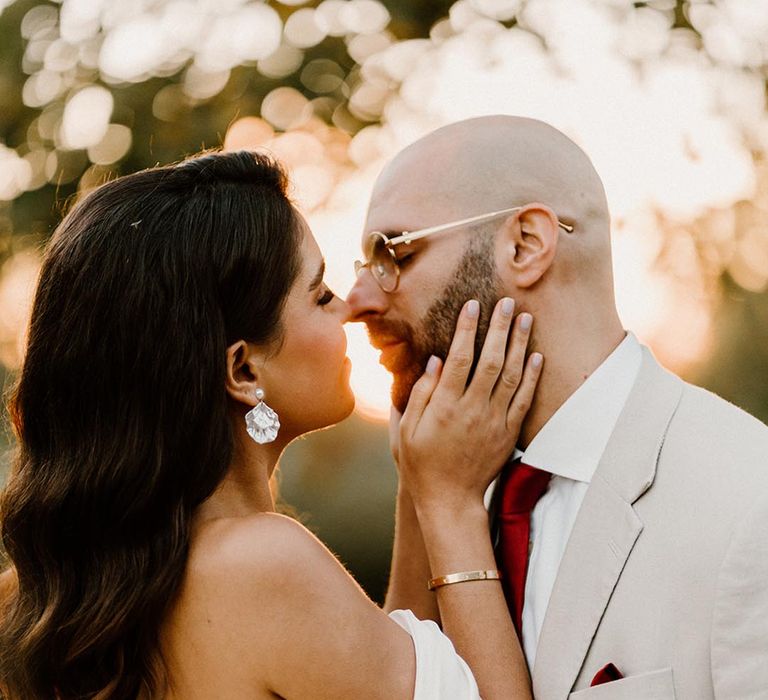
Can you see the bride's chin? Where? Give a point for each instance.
(345, 410)
(348, 394)
(348, 408)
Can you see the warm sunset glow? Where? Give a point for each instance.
(370, 381)
(674, 123)
(665, 150)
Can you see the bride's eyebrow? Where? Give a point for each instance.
(318, 278)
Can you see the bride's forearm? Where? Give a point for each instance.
(410, 567)
(474, 614)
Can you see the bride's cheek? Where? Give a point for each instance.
(323, 353)
(336, 343)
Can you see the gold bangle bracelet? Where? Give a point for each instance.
(462, 576)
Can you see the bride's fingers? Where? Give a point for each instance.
(493, 355)
(514, 363)
(453, 378)
(523, 398)
(421, 394)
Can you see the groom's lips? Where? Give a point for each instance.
(391, 348)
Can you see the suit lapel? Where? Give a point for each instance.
(605, 531)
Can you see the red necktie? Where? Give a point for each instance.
(521, 487)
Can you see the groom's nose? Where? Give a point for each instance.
(366, 298)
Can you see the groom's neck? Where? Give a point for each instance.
(569, 359)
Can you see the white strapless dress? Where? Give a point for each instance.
(441, 674)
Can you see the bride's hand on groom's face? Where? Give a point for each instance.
(455, 437)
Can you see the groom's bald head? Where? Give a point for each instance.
(502, 154)
(491, 163)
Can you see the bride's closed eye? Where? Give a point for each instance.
(326, 298)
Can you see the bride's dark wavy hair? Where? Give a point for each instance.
(121, 412)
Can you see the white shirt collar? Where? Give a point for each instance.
(573, 440)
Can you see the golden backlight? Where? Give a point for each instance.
(674, 121)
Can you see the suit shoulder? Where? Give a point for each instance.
(719, 422)
(710, 404)
(722, 447)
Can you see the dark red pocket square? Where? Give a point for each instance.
(606, 675)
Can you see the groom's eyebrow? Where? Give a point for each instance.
(318, 278)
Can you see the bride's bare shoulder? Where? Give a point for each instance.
(266, 557)
(266, 568)
(260, 596)
(260, 540)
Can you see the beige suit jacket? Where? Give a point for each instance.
(666, 571)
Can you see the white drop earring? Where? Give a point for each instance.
(261, 421)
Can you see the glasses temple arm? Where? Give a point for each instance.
(407, 236)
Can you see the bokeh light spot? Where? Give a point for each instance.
(86, 117)
(302, 29)
(285, 108)
(113, 147)
(247, 133)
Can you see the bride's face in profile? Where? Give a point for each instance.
(306, 378)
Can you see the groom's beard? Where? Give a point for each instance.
(474, 278)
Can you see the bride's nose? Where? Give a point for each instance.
(343, 310)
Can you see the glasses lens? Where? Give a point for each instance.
(382, 264)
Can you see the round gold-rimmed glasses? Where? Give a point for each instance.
(380, 257)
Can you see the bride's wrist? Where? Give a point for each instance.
(445, 516)
(457, 541)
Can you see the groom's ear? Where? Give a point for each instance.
(530, 243)
(243, 362)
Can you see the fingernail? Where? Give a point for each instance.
(526, 321)
(536, 359)
(432, 365)
(473, 308)
(507, 306)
